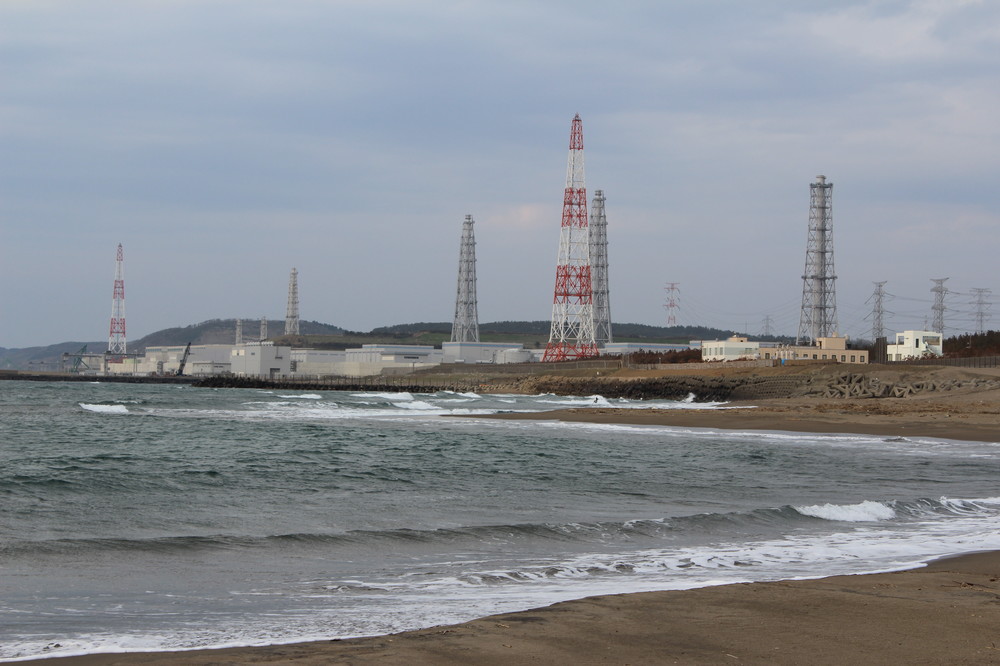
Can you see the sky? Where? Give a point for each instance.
(225, 142)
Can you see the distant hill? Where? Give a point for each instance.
(223, 331)
(533, 334)
(44, 359)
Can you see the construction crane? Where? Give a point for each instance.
(184, 358)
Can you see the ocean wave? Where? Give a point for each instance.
(852, 513)
(394, 397)
(104, 409)
(725, 525)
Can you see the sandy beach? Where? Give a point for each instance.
(973, 417)
(946, 613)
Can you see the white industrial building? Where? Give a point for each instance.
(261, 359)
(317, 362)
(485, 352)
(202, 360)
(375, 359)
(915, 344)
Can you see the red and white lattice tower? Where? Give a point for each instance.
(116, 336)
(572, 334)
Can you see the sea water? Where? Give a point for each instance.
(165, 517)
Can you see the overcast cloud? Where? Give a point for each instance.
(225, 142)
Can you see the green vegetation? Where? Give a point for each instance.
(973, 344)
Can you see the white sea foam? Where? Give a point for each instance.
(385, 396)
(304, 396)
(419, 405)
(866, 511)
(105, 409)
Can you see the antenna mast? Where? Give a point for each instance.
(465, 326)
(116, 335)
(572, 333)
(819, 297)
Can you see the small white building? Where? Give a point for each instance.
(261, 359)
(735, 348)
(915, 344)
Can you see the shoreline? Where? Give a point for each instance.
(945, 612)
(807, 415)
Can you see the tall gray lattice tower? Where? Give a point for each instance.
(263, 328)
(878, 310)
(939, 291)
(819, 296)
(465, 327)
(599, 269)
(292, 312)
(982, 304)
(116, 336)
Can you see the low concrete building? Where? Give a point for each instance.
(736, 348)
(915, 344)
(833, 348)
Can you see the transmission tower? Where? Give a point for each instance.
(982, 303)
(819, 297)
(572, 333)
(878, 310)
(465, 326)
(239, 331)
(766, 326)
(937, 310)
(292, 311)
(263, 328)
(116, 335)
(599, 269)
(673, 302)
